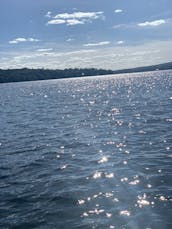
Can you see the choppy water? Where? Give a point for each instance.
(87, 153)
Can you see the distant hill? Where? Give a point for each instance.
(164, 66)
(25, 74)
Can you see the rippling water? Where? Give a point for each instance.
(87, 153)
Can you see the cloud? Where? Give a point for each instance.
(120, 42)
(82, 51)
(74, 22)
(97, 44)
(118, 11)
(32, 40)
(17, 40)
(56, 22)
(48, 14)
(152, 23)
(22, 39)
(125, 26)
(109, 57)
(75, 18)
(80, 15)
(70, 39)
(44, 50)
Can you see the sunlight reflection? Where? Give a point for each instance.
(97, 175)
(110, 175)
(81, 201)
(104, 159)
(135, 182)
(142, 201)
(125, 213)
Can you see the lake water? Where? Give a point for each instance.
(87, 153)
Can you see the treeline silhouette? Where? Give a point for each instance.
(164, 66)
(25, 74)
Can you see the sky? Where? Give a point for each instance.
(109, 34)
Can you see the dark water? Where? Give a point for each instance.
(87, 153)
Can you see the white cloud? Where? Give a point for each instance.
(152, 23)
(116, 57)
(74, 22)
(67, 22)
(80, 15)
(17, 40)
(80, 51)
(13, 42)
(97, 44)
(75, 18)
(123, 26)
(120, 42)
(56, 22)
(22, 39)
(48, 14)
(32, 40)
(70, 39)
(118, 11)
(44, 50)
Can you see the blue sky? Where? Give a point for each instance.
(109, 34)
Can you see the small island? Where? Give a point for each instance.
(25, 74)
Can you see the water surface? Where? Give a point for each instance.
(87, 153)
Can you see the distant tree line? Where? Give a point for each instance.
(25, 74)
(164, 66)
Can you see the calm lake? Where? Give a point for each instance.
(90, 152)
